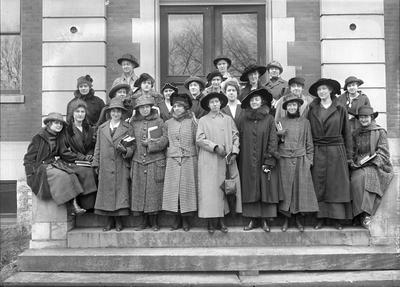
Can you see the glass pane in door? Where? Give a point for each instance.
(239, 32)
(185, 37)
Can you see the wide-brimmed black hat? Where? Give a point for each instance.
(130, 58)
(116, 87)
(196, 79)
(275, 64)
(291, 98)
(143, 77)
(252, 68)
(54, 117)
(222, 57)
(222, 98)
(116, 103)
(333, 84)
(182, 97)
(366, 111)
(214, 74)
(297, 80)
(169, 86)
(350, 80)
(262, 92)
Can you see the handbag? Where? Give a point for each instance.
(229, 184)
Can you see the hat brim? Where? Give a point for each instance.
(373, 115)
(358, 81)
(114, 89)
(229, 61)
(205, 100)
(275, 66)
(261, 70)
(46, 120)
(175, 97)
(169, 86)
(333, 84)
(262, 92)
(109, 108)
(298, 100)
(201, 83)
(135, 64)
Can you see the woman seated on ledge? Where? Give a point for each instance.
(371, 170)
(49, 176)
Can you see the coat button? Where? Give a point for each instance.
(145, 171)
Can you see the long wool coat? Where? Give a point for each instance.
(180, 186)
(259, 145)
(296, 153)
(148, 164)
(352, 110)
(216, 130)
(332, 150)
(277, 88)
(113, 190)
(370, 181)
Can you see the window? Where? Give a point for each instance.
(192, 36)
(10, 38)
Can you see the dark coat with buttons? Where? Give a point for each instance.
(259, 146)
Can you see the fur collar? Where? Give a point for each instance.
(257, 114)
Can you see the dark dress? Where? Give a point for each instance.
(353, 107)
(332, 151)
(196, 107)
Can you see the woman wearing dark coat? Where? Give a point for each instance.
(251, 75)
(85, 92)
(258, 160)
(332, 152)
(148, 162)
(81, 141)
(370, 179)
(48, 177)
(166, 106)
(196, 86)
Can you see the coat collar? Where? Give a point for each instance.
(315, 107)
(122, 128)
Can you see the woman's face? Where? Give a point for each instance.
(255, 102)
(324, 92)
(116, 114)
(352, 88)
(79, 114)
(292, 107)
(145, 110)
(253, 77)
(222, 66)
(179, 109)
(146, 85)
(194, 89)
(127, 66)
(56, 126)
(214, 104)
(231, 93)
(365, 121)
(121, 93)
(84, 89)
(216, 81)
(167, 93)
(274, 72)
(296, 89)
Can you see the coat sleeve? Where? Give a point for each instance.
(382, 150)
(30, 156)
(96, 155)
(272, 149)
(130, 149)
(309, 142)
(235, 136)
(201, 139)
(64, 152)
(161, 143)
(346, 134)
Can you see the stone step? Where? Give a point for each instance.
(389, 278)
(199, 237)
(288, 258)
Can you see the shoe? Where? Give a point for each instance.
(285, 224)
(176, 225)
(299, 225)
(224, 228)
(109, 225)
(76, 209)
(366, 221)
(338, 225)
(250, 226)
(154, 222)
(319, 224)
(185, 223)
(210, 227)
(118, 223)
(265, 226)
(143, 223)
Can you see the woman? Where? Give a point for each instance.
(48, 177)
(80, 140)
(145, 87)
(233, 108)
(258, 160)
(196, 86)
(111, 163)
(372, 171)
(223, 63)
(353, 99)
(180, 186)
(166, 106)
(85, 92)
(218, 141)
(251, 75)
(332, 153)
(148, 162)
(214, 80)
(128, 65)
(296, 157)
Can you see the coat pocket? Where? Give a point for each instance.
(159, 170)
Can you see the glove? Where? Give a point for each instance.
(220, 151)
(120, 148)
(89, 157)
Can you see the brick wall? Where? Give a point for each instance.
(392, 40)
(305, 52)
(119, 35)
(19, 122)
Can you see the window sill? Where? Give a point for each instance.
(12, 99)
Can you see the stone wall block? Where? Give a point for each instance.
(40, 231)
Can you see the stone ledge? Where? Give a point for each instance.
(44, 244)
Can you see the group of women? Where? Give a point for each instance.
(214, 149)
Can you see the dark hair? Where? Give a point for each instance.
(70, 121)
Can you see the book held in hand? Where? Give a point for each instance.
(83, 163)
(127, 140)
(154, 132)
(367, 158)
